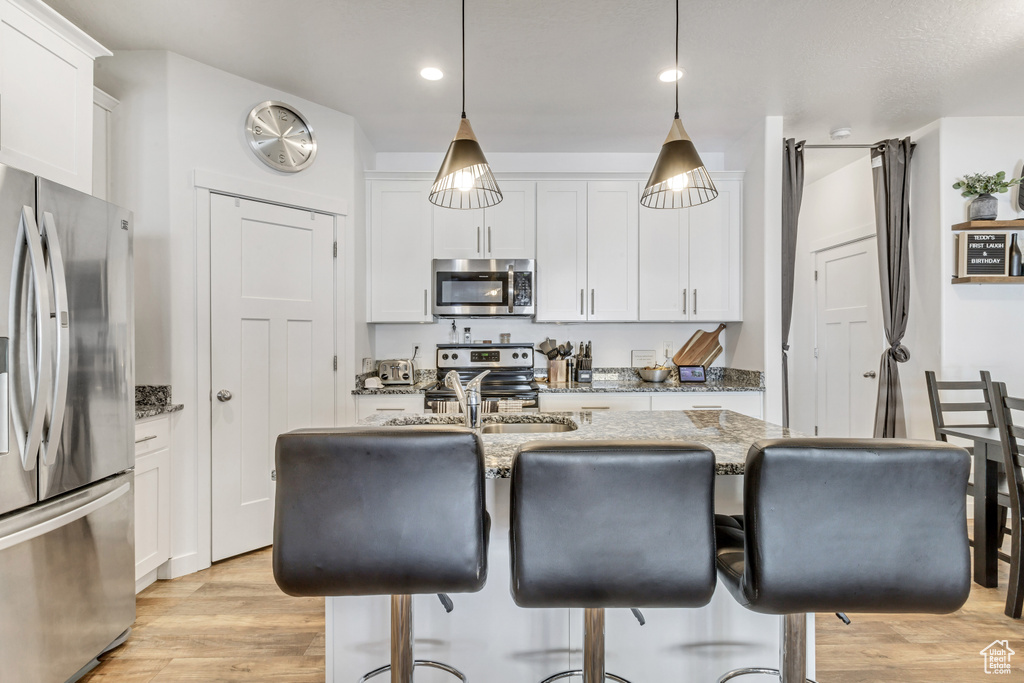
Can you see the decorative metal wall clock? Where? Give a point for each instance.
(280, 136)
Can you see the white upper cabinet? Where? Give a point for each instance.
(587, 245)
(504, 231)
(691, 260)
(400, 239)
(46, 93)
(561, 250)
(612, 243)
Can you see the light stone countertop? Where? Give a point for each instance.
(728, 434)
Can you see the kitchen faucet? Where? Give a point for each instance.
(469, 397)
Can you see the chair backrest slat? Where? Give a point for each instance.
(982, 410)
(1008, 435)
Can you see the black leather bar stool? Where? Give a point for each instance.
(597, 524)
(379, 511)
(837, 525)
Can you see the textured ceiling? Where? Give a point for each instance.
(581, 75)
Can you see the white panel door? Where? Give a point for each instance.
(664, 264)
(458, 233)
(715, 263)
(45, 101)
(612, 250)
(510, 227)
(272, 349)
(850, 339)
(400, 247)
(561, 250)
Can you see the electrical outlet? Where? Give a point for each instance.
(415, 351)
(668, 349)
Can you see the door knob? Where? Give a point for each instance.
(869, 373)
(223, 395)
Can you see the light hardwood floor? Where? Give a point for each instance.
(231, 623)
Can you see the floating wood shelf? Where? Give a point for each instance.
(989, 225)
(988, 280)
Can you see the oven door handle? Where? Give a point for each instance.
(511, 288)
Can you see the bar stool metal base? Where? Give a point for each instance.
(593, 652)
(402, 663)
(579, 672)
(792, 654)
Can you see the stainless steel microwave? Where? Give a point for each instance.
(484, 287)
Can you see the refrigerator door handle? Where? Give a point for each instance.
(63, 340)
(30, 438)
(64, 519)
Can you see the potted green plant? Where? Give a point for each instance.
(981, 186)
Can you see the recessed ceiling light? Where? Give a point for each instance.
(432, 73)
(671, 75)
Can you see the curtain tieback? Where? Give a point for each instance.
(899, 352)
(785, 348)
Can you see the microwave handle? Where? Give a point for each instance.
(511, 288)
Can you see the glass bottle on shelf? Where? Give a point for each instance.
(1015, 258)
(453, 335)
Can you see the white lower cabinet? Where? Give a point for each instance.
(594, 401)
(152, 498)
(396, 404)
(744, 402)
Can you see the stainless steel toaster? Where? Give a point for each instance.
(397, 372)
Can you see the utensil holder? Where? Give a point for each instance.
(556, 371)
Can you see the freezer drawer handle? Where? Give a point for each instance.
(60, 299)
(146, 438)
(57, 522)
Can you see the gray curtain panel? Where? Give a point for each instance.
(792, 194)
(891, 171)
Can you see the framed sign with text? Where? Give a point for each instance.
(983, 253)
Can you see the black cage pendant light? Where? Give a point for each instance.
(679, 179)
(465, 180)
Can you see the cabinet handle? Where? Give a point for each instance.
(695, 301)
(706, 407)
(490, 249)
(591, 302)
(146, 438)
(478, 239)
(581, 302)
(595, 408)
(390, 410)
(684, 302)
(425, 296)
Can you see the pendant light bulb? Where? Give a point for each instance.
(464, 180)
(679, 179)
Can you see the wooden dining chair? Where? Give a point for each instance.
(1009, 417)
(976, 413)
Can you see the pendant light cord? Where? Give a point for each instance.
(677, 58)
(464, 54)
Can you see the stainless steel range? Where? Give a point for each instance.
(511, 376)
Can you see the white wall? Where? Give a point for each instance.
(178, 117)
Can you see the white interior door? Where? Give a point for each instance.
(272, 353)
(850, 338)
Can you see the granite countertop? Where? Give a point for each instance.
(154, 399)
(617, 380)
(726, 433)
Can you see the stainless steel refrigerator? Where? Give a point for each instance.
(67, 391)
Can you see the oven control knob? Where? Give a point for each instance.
(526, 355)
(444, 356)
(455, 356)
(515, 355)
(384, 376)
(405, 375)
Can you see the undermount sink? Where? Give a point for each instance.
(525, 427)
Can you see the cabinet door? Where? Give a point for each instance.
(400, 239)
(458, 233)
(715, 256)
(664, 243)
(561, 250)
(510, 228)
(45, 101)
(594, 401)
(391, 404)
(744, 402)
(612, 246)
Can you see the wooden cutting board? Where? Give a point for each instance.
(702, 348)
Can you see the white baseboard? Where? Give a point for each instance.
(181, 565)
(145, 582)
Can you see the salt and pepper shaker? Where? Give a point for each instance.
(467, 337)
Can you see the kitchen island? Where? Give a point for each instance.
(491, 639)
